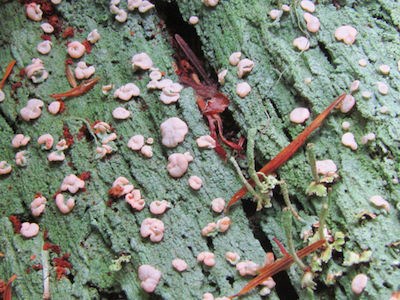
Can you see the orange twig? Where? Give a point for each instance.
(7, 73)
(279, 265)
(77, 91)
(289, 150)
(8, 288)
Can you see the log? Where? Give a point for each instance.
(100, 229)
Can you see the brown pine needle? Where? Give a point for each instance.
(7, 73)
(279, 265)
(288, 151)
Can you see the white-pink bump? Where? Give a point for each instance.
(179, 264)
(299, 115)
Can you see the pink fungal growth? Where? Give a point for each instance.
(359, 283)
(224, 224)
(36, 71)
(136, 142)
(179, 264)
(159, 207)
(378, 201)
(299, 115)
(218, 205)
(32, 110)
(121, 113)
(64, 207)
(247, 267)
(62, 145)
(206, 141)
(208, 296)
(173, 131)
(349, 141)
(347, 104)
(76, 49)
(38, 205)
(178, 164)
(152, 228)
(82, 71)
(29, 230)
(103, 151)
(147, 151)
(232, 257)
(209, 229)
(127, 91)
(207, 258)
(46, 140)
(5, 168)
(121, 187)
(307, 5)
(21, 158)
(56, 156)
(312, 22)
(195, 182)
(109, 138)
(33, 11)
(347, 34)
(72, 183)
(20, 140)
(134, 199)
(101, 127)
(326, 167)
(141, 61)
(149, 277)
(54, 107)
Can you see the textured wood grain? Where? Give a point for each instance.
(96, 234)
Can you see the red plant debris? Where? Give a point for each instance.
(109, 202)
(37, 267)
(69, 61)
(88, 46)
(52, 247)
(68, 136)
(16, 86)
(68, 32)
(62, 106)
(16, 222)
(21, 72)
(62, 265)
(45, 234)
(85, 176)
(115, 191)
(82, 132)
(45, 37)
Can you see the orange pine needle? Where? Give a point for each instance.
(279, 265)
(7, 73)
(7, 292)
(77, 91)
(289, 150)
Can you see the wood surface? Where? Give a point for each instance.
(95, 234)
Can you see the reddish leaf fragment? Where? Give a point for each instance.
(16, 223)
(68, 32)
(85, 176)
(77, 91)
(68, 136)
(88, 46)
(52, 247)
